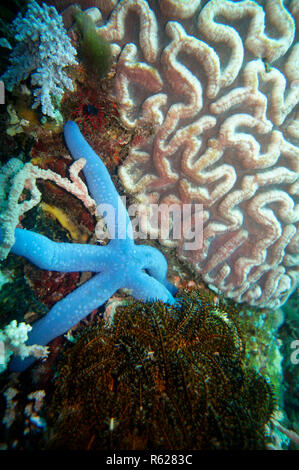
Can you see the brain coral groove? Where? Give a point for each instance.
(219, 82)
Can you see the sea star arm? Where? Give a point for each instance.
(145, 287)
(65, 257)
(68, 312)
(155, 265)
(99, 184)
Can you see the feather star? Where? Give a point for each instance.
(119, 264)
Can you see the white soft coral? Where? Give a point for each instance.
(12, 341)
(43, 49)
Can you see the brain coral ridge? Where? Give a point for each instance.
(218, 81)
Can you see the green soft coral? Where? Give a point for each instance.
(95, 51)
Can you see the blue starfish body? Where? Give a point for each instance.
(119, 264)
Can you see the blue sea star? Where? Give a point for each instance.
(119, 264)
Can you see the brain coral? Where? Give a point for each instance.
(218, 81)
